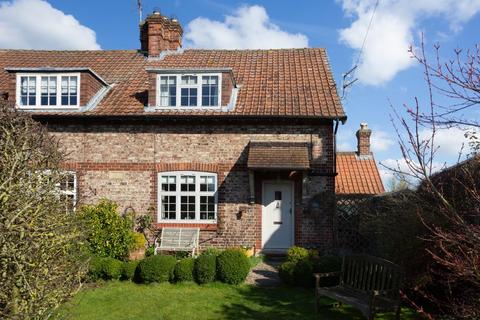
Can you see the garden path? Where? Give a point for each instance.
(265, 274)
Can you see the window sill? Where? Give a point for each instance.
(204, 226)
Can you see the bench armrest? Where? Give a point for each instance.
(318, 276)
(384, 292)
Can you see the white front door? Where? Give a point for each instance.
(277, 215)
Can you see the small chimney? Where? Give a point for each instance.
(363, 138)
(159, 33)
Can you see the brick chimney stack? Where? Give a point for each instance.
(159, 33)
(363, 138)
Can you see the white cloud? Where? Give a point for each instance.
(381, 141)
(449, 141)
(388, 166)
(35, 24)
(249, 28)
(391, 34)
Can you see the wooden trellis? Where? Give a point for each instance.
(348, 218)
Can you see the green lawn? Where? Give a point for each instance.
(126, 300)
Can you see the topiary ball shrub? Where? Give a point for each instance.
(205, 268)
(128, 270)
(112, 269)
(212, 251)
(184, 270)
(233, 266)
(158, 268)
(95, 268)
(105, 268)
(295, 254)
(286, 272)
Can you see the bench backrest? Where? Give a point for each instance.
(179, 238)
(366, 273)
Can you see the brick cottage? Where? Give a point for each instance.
(238, 143)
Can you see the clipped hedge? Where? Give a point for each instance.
(295, 254)
(233, 266)
(205, 268)
(285, 271)
(184, 270)
(105, 268)
(158, 268)
(128, 270)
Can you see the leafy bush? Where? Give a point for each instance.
(41, 259)
(109, 234)
(303, 273)
(95, 268)
(302, 263)
(184, 269)
(158, 268)
(295, 254)
(212, 251)
(205, 268)
(112, 269)
(233, 266)
(286, 272)
(139, 240)
(128, 270)
(150, 251)
(105, 268)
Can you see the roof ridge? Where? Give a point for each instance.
(254, 50)
(73, 51)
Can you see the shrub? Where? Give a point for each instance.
(212, 251)
(112, 269)
(41, 260)
(139, 240)
(184, 269)
(150, 251)
(303, 273)
(105, 268)
(233, 266)
(286, 272)
(295, 254)
(205, 268)
(95, 268)
(158, 268)
(108, 234)
(128, 270)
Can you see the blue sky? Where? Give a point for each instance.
(386, 73)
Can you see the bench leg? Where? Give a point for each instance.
(397, 313)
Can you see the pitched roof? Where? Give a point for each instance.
(281, 82)
(278, 155)
(357, 175)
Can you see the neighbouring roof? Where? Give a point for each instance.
(357, 175)
(278, 155)
(281, 82)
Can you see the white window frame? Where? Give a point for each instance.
(72, 192)
(198, 86)
(178, 193)
(38, 91)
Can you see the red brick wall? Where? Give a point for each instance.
(121, 163)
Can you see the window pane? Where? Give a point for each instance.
(169, 207)
(169, 183)
(207, 207)
(187, 183)
(207, 183)
(187, 206)
(73, 100)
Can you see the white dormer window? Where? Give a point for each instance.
(44, 90)
(188, 91)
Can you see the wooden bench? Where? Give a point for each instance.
(178, 239)
(367, 283)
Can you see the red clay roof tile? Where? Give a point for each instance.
(281, 82)
(357, 175)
